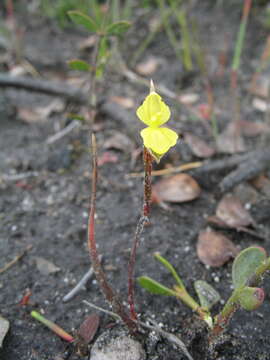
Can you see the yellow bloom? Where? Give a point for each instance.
(154, 113)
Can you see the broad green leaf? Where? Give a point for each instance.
(207, 295)
(80, 65)
(245, 264)
(118, 28)
(81, 19)
(251, 298)
(170, 268)
(154, 287)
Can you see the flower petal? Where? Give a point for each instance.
(159, 140)
(153, 112)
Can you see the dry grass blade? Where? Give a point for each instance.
(199, 147)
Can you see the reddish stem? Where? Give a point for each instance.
(147, 157)
(108, 292)
(10, 9)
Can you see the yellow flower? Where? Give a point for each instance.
(154, 113)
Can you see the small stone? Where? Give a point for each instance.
(46, 267)
(122, 347)
(4, 327)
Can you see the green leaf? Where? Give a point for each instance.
(154, 287)
(80, 65)
(170, 268)
(118, 28)
(207, 295)
(245, 265)
(81, 19)
(251, 298)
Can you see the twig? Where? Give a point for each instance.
(168, 336)
(256, 163)
(107, 290)
(44, 86)
(80, 284)
(17, 177)
(73, 125)
(112, 314)
(168, 171)
(15, 260)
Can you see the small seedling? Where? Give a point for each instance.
(104, 28)
(52, 326)
(208, 296)
(248, 270)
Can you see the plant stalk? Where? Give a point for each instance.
(107, 290)
(144, 219)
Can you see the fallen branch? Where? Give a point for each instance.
(15, 260)
(80, 284)
(44, 86)
(256, 163)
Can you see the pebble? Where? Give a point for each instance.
(4, 327)
(119, 348)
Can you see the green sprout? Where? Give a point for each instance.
(207, 295)
(52, 326)
(103, 26)
(247, 273)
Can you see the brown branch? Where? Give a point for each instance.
(44, 86)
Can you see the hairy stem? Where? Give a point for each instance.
(147, 157)
(107, 290)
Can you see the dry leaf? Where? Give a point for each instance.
(204, 111)
(261, 86)
(231, 211)
(88, 43)
(215, 249)
(251, 128)
(260, 105)
(262, 183)
(147, 67)
(107, 157)
(41, 113)
(89, 328)
(177, 188)
(125, 102)
(46, 267)
(198, 146)
(18, 70)
(188, 99)
(119, 141)
(230, 141)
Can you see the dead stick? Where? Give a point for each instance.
(15, 260)
(107, 290)
(44, 86)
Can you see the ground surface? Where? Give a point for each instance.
(49, 211)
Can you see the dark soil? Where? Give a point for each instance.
(49, 211)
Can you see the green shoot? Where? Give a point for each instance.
(52, 326)
(207, 295)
